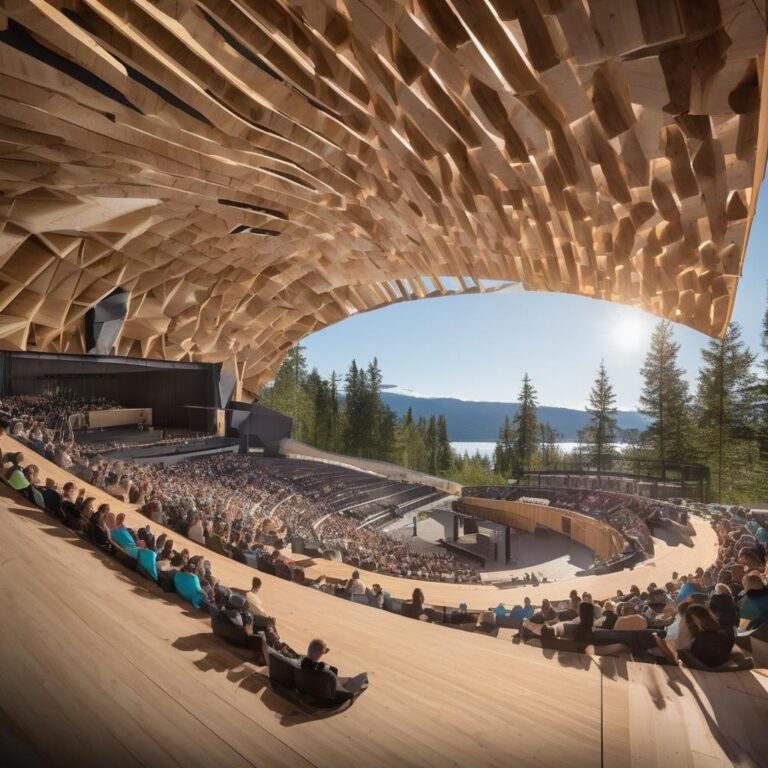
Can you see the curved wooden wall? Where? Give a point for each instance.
(250, 172)
(604, 540)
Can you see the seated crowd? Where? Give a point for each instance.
(696, 613)
(227, 503)
(232, 503)
(174, 568)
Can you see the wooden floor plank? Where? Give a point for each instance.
(154, 687)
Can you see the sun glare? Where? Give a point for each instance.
(630, 329)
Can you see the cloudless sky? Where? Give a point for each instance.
(477, 347)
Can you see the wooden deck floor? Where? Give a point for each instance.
(98, 667)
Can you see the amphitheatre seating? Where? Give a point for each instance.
(242, 726)
(321, 689)
(237, 635)
(343, 488)
(735, 661)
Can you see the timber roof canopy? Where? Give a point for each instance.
(250, 171)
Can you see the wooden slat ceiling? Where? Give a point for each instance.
(251, 171)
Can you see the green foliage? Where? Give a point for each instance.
(665, 400)
(727, 416)
(550, 456)
(525, 427)
(502, 455)
(476, 470)
(601, 432)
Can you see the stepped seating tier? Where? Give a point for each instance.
(99, 667)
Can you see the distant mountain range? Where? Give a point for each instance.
(480, 421)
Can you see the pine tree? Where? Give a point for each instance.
(374, 413)
(602, 424)
(525, 429)
(549, 453)
(444, 450)
(335, 415)
(410, 449)
(665, 400)
(284, 394)
(726, 414)
(502, 455)
(354, 407)
(387, 435)
(430, 443)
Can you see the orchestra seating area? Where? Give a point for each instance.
(358, 494)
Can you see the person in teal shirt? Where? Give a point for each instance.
(188, 586)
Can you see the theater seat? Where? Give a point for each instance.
(320, 689)
(165, 580)
(736, 662)
(714, 648)
(125, 556)
(324, 690)
(281, 670)
(230, 633)
(755, 642)
(282, 571)
(147, 563)
(316, 685)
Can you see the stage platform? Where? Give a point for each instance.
(99, 667)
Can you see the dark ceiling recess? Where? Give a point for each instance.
(257, 208)
(19, 38)
(242, 229)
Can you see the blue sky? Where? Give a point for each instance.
(478, 347)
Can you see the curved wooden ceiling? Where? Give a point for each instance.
(253, 170)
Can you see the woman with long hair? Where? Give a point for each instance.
(165, 556)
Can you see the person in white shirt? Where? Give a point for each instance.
(195, 531)
(354, 586)
(252, 599)
(628, 619)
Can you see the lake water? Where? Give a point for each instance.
(486, 449)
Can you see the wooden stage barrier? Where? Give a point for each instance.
(604, 540)
(115, 417)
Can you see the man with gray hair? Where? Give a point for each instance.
(315, 652)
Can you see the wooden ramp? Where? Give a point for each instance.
(98, 667)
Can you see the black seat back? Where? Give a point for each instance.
(712, 648)
(318, 684)
(281, 669)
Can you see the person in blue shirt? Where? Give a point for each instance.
(500, 610)
(753, 606)
(685, 591)
(187, 584)
(527, 608)
(524, 611)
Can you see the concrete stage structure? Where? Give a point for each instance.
(128, 676)
(214, 180)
